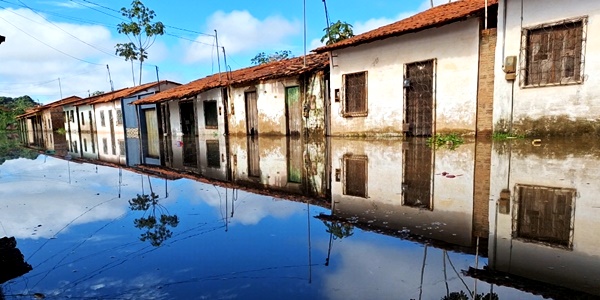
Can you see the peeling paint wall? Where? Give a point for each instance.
(455, 48)
(571, 165)
(271, 99)
(549, 110)
(450, 218)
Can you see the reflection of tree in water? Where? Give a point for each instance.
(339, 230)
(464, 296)
(157, 230)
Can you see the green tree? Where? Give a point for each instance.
(12, 107)
(141, 31)
(336, 32)
(97, 93)
(263, 58)
(156, 227)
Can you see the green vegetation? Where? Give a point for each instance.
(450, 141)
(263, 58)
(141, 32)
(10, 148)
(12, 107)
(499, 136)
(336, 32)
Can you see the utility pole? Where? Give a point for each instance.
(218, 56)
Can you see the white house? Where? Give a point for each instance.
(426, 74)
(547, 84)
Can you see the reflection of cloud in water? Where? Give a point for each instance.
(371, 271)
(37, 192)
(250, 208)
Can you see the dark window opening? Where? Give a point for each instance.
(211, 118)
(119, 117)
(82, 119)
(213, 154)
(102, 119)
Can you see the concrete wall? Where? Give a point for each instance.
(551, 165)
(552, 110)
(272, 108)
(455, 48)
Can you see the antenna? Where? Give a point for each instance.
(112, 88)
(218, 57)
(60, 88)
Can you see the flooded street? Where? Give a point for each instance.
(291, 218)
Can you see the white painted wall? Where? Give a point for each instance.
(573, 101)
(455, 47)
(271, 107)
(578, 268)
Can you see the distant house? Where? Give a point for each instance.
(550, 65)
(279, 98)
(115, 120)
(43, 121)
(429, 73)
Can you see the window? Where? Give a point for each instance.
(211, 119)
(102, 119)
(71, 117)
(90, 117)
(545, 214)
(105, 145)
(122, 147)
(119, 117)
(553, 53)
(75, 148)
(82, 119)
(356, 175)
(213, 154)
(85, 145)
(355, 94)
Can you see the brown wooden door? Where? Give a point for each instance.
(293, 109)
(253, 157)
(419, 98)
(418, 169)
(166, 131)
(251, 113)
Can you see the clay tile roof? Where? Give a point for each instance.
(126, 92)
(434, 17)
(288, 67)
(54, 104)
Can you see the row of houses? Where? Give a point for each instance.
(471, 67)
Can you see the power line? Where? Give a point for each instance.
(51, 47)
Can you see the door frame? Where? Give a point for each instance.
(406, 125)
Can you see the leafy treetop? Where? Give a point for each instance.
(336, 32)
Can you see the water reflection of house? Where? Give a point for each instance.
(429, 73)
(544, 225)
(548, 83)
(42, 122)
(409, 188)
(291, 164)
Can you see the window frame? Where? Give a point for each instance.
(345, 112)
(525, 62)
(347, 157)
(204, 106)
(516, 213)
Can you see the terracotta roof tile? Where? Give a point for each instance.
(277, 69)
(434, 17)
(126, 92)
(54, 104)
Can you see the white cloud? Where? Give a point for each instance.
(32, 60)
(240, 32)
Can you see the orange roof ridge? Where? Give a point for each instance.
(433, 17)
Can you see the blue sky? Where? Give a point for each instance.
(62, 47)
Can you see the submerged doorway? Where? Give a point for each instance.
(188, 129)
(251, 113)
(419, 110)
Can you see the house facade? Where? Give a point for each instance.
(420, 76)
(547, 83)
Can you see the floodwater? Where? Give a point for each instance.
(286, 218)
